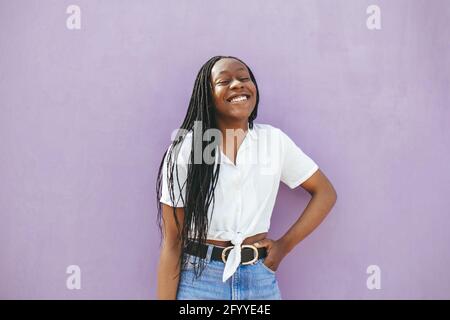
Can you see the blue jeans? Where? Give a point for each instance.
(249, 282)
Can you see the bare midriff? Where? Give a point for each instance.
(249, 240)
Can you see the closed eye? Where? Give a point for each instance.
(227, 81)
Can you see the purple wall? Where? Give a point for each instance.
(86, 114)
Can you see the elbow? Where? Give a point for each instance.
(332, 195)
(327, 194)
(333, 199)
(172, 244)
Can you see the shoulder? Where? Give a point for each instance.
(183, 149)
(276, 136)
(265, 127)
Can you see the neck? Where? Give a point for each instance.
(238, 130)
(223, 125)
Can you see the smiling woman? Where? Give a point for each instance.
(215, 216)
(227, 71)
(235, 98)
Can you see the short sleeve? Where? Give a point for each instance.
(296, 166)
(179, 182)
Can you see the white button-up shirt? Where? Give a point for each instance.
(245, 193)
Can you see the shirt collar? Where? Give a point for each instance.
(253, 136)
(252, 132)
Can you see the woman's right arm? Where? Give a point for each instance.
(169, 267)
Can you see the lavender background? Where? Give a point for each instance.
(85, 116)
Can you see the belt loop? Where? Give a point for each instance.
(209, 253)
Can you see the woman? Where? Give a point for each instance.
(215, 199)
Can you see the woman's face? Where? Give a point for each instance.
(233, 90)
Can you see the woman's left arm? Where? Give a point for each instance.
(323, 199)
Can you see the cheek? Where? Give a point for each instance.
(218, 96)
(253, 89)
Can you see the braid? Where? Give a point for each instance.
(201, 178)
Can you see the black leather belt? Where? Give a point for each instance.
(249, 253)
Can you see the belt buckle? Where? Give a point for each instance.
(256, 254)
(243, 246)
(224, 251)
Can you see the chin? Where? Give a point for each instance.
(239, 117)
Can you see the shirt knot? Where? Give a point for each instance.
(234, 257)
(238, 239)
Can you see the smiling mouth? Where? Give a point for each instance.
(239, 99)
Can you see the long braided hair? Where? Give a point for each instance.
(201, 178)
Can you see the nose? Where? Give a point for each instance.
(236, 83)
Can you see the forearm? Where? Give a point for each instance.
(168, 273)
(315, 212)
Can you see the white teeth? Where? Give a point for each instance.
(239, 98)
